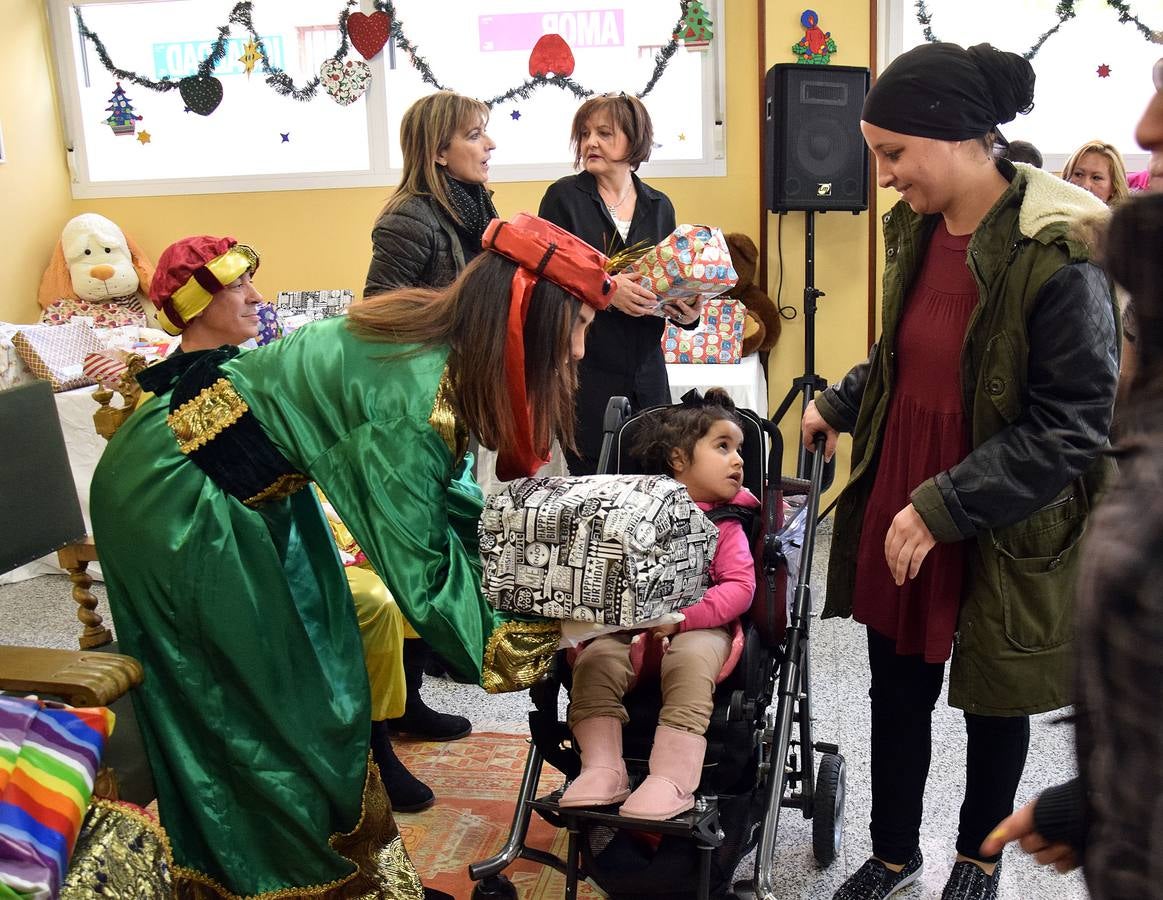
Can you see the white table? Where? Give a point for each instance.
(745, 381)
(75, 409)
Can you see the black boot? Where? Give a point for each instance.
(419, 721)
(407, 792)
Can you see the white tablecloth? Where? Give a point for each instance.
(75, 409)
(745, 382)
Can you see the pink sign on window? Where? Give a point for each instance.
(580, 28)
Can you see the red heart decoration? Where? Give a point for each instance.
(551, 54)
(368, 33)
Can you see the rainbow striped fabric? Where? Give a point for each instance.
(49, 755)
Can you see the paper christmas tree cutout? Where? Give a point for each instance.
(122, 120)
(696, 30)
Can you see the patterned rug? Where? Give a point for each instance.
(476, 781)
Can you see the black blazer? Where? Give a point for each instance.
(623, 353)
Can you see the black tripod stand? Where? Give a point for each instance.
(809, 383)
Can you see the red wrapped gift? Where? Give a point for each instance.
(692, 262)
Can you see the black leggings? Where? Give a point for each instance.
(904, 691)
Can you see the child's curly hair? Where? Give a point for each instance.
(680, 427)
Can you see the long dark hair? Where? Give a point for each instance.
(679, 427)
(1130, 254)
(471, 318)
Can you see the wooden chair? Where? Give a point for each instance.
(40, 514)
(76, 555)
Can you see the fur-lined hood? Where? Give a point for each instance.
(1049, 202)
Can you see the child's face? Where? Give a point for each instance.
(715, 473)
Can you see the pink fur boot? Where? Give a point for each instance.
(676, 765)
(603, 772)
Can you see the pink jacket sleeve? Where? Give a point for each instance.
(732, 582)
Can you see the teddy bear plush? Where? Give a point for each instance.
(763, 324)
(96, 271)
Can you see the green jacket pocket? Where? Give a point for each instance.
(1037, 563)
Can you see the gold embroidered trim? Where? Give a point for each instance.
(374, 846)
(198, 421)
(445, 421)
(122, 853)
(283, 486)
(519, 654)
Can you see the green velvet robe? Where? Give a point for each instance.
(255, 707)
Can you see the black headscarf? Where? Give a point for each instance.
(950, 93)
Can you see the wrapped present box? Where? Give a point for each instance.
(610, 549)
(56, 353)
(691, 262)
(718, 339)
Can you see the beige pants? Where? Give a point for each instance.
(603, 673)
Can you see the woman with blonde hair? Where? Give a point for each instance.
(1099, 168)
(431, 227)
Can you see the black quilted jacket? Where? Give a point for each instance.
(415, 245)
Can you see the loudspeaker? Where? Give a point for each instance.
(816, 157)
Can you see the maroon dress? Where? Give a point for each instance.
(926, 433)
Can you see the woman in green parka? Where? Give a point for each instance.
(224, 579)
(978, 424)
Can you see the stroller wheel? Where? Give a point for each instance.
(496, 887)
(828, 817)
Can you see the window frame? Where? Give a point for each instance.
(381, 172)
(890, 31)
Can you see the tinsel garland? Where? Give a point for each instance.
(283, 84)
(1064, 11)
(240, 15)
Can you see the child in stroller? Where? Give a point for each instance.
(698, 443)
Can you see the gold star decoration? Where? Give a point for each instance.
(682, 135)
(143, 137)
(250, 56)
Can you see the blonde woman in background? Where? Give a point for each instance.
(426, 234)
(431, 227)
(1099, 168)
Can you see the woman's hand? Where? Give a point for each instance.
(811, 425)
(1020, 827)
(630, 297)
(684, 313)
(907, 544)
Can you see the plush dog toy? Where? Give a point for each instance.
(763, 324)
(96, 271)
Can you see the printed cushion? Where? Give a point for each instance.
(610, 549)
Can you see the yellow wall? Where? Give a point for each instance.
(34, 182)
(841, 241)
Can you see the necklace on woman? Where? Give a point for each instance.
(613, 208)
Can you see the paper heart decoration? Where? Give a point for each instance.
(345, 81)
(202, 93)
(551, 54)
(368, 33)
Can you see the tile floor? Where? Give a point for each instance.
(39, 612)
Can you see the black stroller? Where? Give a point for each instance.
(753, 765)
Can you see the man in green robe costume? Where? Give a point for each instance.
(225, 582)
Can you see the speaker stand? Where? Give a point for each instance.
(809, 383)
